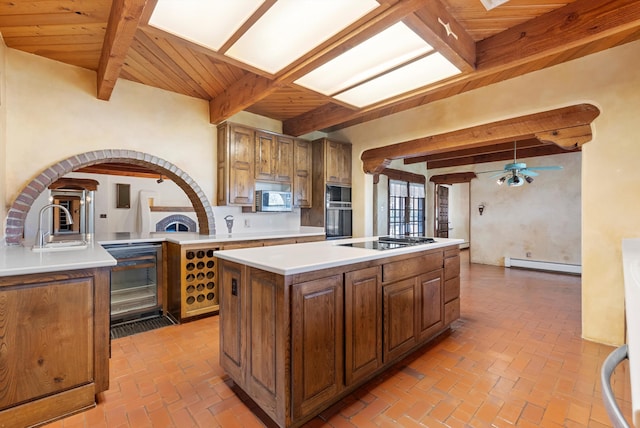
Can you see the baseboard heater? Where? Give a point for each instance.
(540, 265)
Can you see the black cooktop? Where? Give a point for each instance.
(391, 242)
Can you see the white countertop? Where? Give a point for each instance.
(631, 267)
(307, 257)
(21, 260)
(184, 238)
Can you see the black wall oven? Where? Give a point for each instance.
(338, 214)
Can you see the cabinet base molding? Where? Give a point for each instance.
(49, 409)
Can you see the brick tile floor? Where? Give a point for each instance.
(515, 358)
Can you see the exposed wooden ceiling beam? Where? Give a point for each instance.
(529, 152)
(514, 52)
(374, 160)
(475, 151)
(438, 27)
(453, 178)
(123, 23)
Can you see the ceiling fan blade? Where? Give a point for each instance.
(502, 171)
(528, 172)
(540, 168)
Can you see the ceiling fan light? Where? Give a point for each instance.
(501, 180)
(529, 179)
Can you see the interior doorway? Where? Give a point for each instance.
(442, 211)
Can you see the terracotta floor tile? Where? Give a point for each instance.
(515, 358)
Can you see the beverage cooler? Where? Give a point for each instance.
(136, 280)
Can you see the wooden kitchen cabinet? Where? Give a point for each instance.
(236, 156)
(55, 344)
(331, 166)
(338, 163)
(274, 157)
(193, 281)
(363, 323)
(317, 338)
(247, 155)
(302, 174)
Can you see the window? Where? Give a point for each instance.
(406, 208)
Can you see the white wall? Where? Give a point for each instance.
(610, 176)
(54, 114)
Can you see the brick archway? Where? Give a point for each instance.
(22, 204)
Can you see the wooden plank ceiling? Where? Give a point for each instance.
(113, 38)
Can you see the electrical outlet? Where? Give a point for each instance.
(103, 216)
(528, 254)
(247, 223)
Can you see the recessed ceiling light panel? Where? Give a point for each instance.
(490, 4)
(208, 23)
(392, 47)
(291, 28)
(419, 73)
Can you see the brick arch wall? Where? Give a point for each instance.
(20, 207)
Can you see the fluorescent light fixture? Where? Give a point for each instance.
(419, 73)
(291, 28)
(490, 4)
(208, 23)
(394, 46)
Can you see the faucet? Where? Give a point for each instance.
(229, 220)
(40, 233)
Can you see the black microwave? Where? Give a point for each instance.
(273, 201)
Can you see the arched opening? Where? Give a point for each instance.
(22, 204)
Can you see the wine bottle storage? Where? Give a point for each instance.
(199, 289)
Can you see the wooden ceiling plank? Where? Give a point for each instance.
(573, 25)
(514, 128)
(454, 44)
(123, 22)
(172, 59)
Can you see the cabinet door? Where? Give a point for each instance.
(241, 159)
(283, 161)
(232, 334)
(317, 343)
(399, 318)
(265, 156)
(363, 323)
(338, 163)
(47, 338)
(430, 304)
(303, 162)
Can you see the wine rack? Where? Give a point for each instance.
(196, 291)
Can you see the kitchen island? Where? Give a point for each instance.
(55, 319)
(303, 326)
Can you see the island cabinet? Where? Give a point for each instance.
(298, 343)
(54, 344)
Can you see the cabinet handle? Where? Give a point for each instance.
(234, 287)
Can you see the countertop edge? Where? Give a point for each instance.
(283, 265)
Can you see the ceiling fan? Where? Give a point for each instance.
(516, 173)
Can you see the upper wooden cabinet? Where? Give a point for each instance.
(274, 157)
(236, 154)
(247, 155)
(337, 162)
(302, 173)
